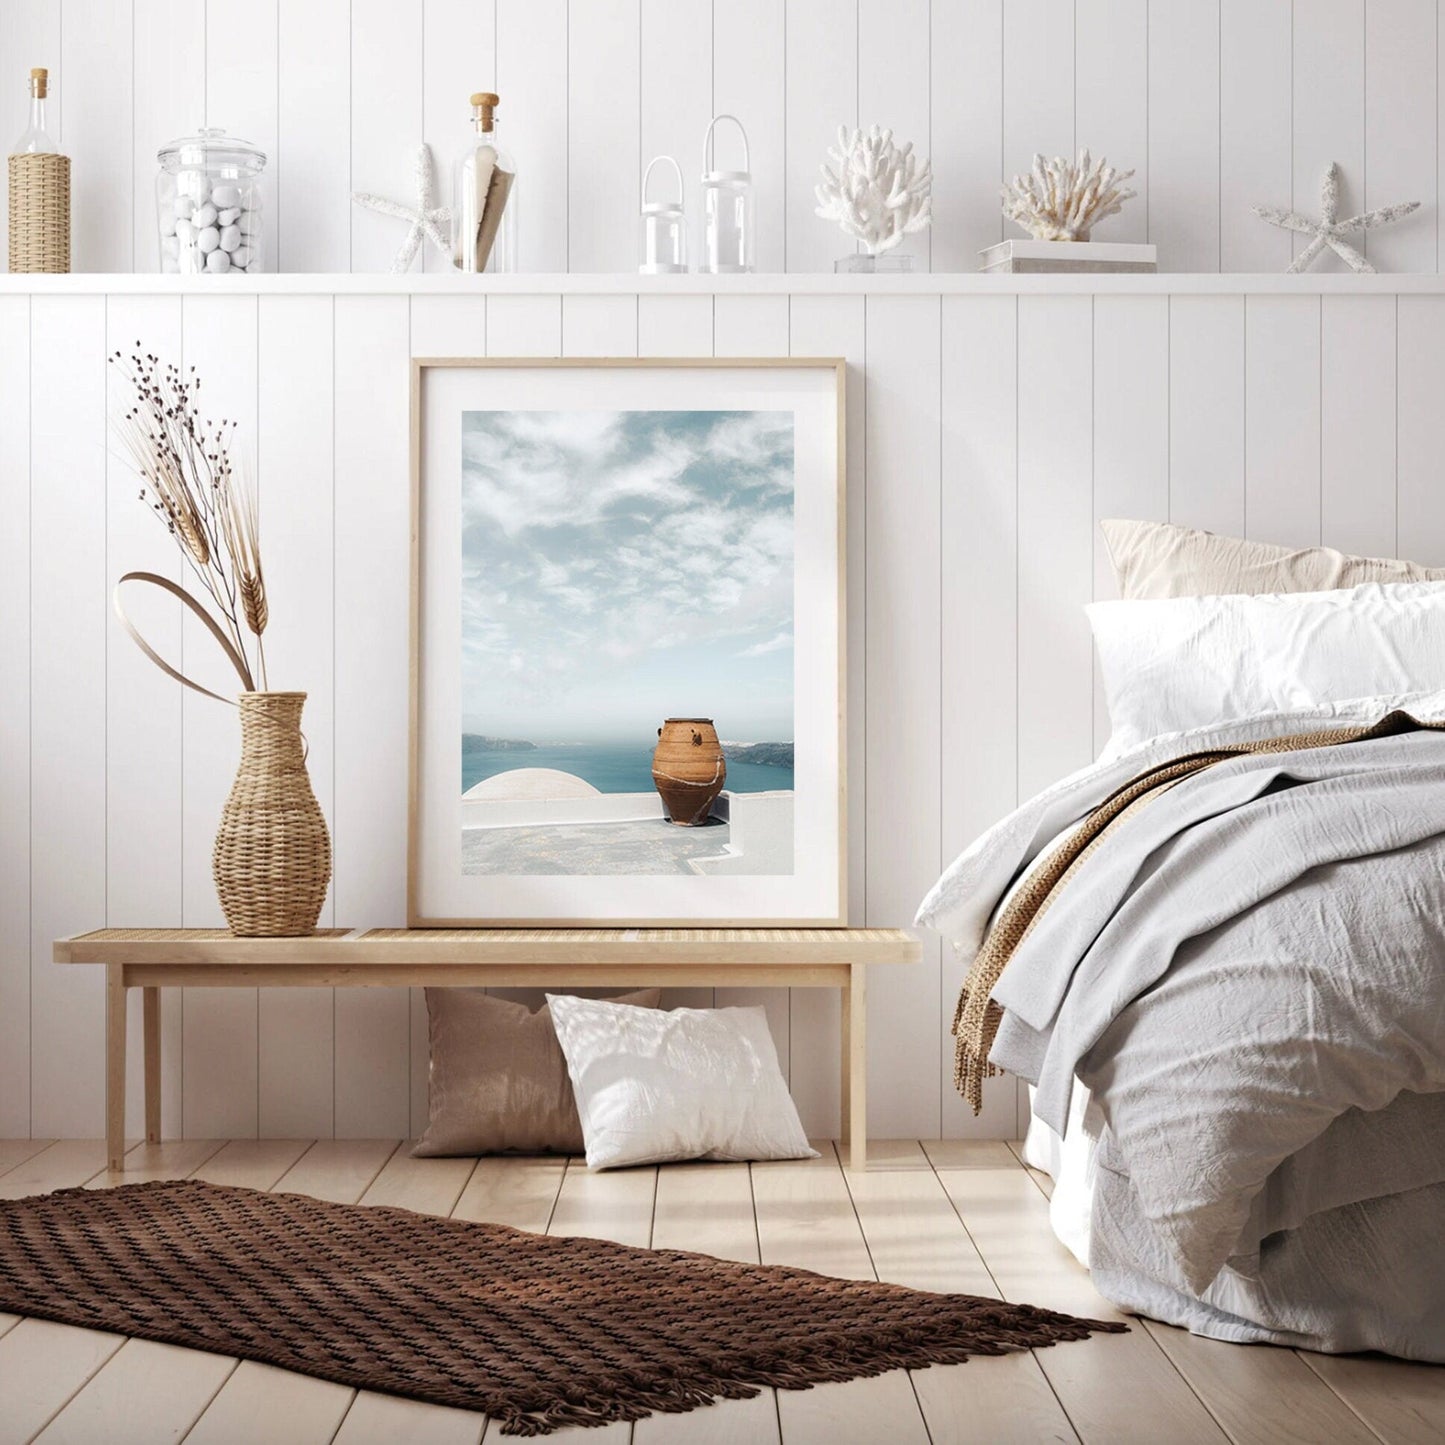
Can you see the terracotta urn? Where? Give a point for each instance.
(688, 768)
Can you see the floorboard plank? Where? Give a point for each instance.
(916, 1238)
(17, 1151)
(806, 1219)
(259, 1402)
(1403, 1403)
(252, 1163)
(341, 1170)
(144, 1394)
(44, 1365)
(514, 1190)
(63, 1165)
(1008, 1219)
(612, 1204)
(170, 1159)
(429, 1186)
(709, 1208)
(388, 1420)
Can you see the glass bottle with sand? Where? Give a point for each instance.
(484, 196)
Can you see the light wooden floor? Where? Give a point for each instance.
(949, 1216)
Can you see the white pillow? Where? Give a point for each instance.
(1190, 662)
(655, 1085)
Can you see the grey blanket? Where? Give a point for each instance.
(1249, 975)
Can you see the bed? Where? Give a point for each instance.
(1218, 957)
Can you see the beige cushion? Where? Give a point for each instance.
(498, 1081)
(1158, 559)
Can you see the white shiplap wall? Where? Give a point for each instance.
(990, 427)
(1218, 104)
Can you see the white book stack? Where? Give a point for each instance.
(1019, 256)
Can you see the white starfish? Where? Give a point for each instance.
(427, 221)
(1328, 230)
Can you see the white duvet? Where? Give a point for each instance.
(1249, 978)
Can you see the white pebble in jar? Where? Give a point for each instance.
(230, 238)
(205, 216)
(209, 239)
(229, 216)
(226, 197)
(249, 222)
(185, 233)
(218, 261)
(183, 207)
(241, 257)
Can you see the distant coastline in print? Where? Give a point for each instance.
(620, 568)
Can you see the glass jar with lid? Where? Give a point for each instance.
(208, 205)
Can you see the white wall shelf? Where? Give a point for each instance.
(935, 283)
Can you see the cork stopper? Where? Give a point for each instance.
(39, 83)
(483, 103)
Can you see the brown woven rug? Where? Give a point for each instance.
(538, 1332)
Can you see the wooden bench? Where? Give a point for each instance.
(155, 958)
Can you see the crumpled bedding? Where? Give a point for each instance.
(1249, 977)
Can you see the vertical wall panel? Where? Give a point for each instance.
(902, 816)
(756, 326)
(459, 58)
(532, 81)
(967, 126)
(144, 818)
(1400, 110)
(1038, 82)
(1184, 133)
(68, 614)
(893, 85)
(1357, 421)
(1206, 412)
(15, 871)
(603, 87)
(242, 81)
(373, 650)
(674, 325)
(834, 326)
(1421, 434)
(169, 96)
(599, 326)
(821, 85)
(1111, 107)
(748, 82)
(1254, 131)
(295, 430)
(95, 56)
(1056, 555)
(979, 635)
(313, 164)
(1282, 419)
(1131, 431)
(218, 1084)
(1329, 105)
(524, 326)
(676, 101)
(386, 122)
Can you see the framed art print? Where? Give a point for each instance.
(627, 642)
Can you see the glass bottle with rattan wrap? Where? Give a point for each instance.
(272, 858)
(209, 211)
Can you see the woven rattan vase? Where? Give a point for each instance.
(39, 218)
(272, 859)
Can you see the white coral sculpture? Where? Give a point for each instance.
(879, 194)
(1062, 200)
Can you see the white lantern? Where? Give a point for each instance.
(664, 228)
(727, 209)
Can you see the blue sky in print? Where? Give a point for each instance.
(623, 567)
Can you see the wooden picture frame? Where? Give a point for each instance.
(814, 389)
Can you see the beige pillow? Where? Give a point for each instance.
(1158, 559)
(498, 1081)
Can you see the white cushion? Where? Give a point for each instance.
(654, 1085)
(1190, 662)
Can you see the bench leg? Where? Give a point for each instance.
(114, 1066)
(151, 1005)
(855, 1068)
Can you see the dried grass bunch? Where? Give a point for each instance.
(1062, 200)
(188, 480)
